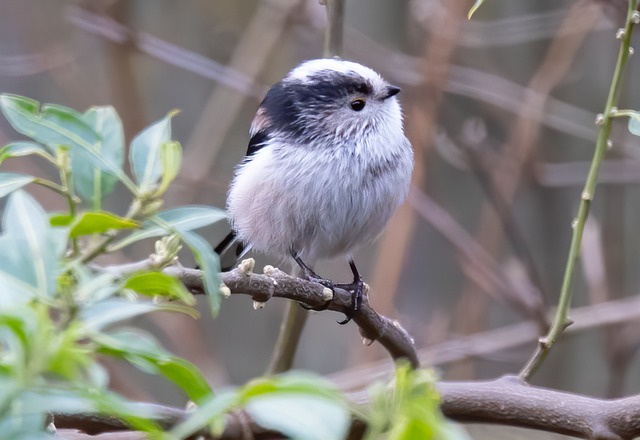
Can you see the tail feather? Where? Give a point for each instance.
(229, 258)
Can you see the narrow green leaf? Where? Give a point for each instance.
(98, 222)
(92, 182)
(634, 124)
(171, 157)
(64, 219)
(185, 218)
(16, 149)
(10, 182)
(145, 151)
(135, 345)
(137, 416)
(474, 8)
(158, 283)
(209, 264)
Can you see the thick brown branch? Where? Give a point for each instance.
(509, 401)
(278, 284)
(504, 401)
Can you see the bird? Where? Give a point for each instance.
(326, 167)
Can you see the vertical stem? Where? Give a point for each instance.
(295, 317)
(293, 323)
(560, 321)
(333, 37)
(67, 185)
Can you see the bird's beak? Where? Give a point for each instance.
(391, 91)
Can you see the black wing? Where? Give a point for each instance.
(257, 141)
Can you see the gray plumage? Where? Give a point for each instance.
(320, 177)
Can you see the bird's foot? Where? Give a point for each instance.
(356, 288)
(310, 275)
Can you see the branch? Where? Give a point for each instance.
(511, 401)
(504, 401)
(275, 283)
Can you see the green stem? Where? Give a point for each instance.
(57, 188)
(560, 321)
(67, 184)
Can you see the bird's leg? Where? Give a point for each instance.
(357, 292)
(312, 276)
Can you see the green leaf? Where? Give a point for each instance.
(634, 123)
(98, 222)
(15, 274)
(209, 264)
(474, 8)
(145, 152)
(16, 149)
(56, 125)
(137, 416)
(10, 182)
(171, 157)
(184, 218)
(89, 181)
(291, 382)
(411, 409)
(137, 346)
(158, 283)
(209, 414)
(28, 226)
(298, 405)
(106, 313)
(300, 416)
(58, 220)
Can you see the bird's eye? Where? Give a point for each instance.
(357, 104)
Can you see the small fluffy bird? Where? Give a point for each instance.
(327, 166)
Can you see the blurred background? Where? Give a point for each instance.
(500, 112)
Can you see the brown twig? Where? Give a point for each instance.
(277, 284)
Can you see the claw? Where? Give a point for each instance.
(356, 287)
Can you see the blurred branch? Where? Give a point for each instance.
(504, 401)
(250, 55)
(509, 31)
(496, 340)
(108, 28)
(335, 27)
(612, 171)
(480, 266)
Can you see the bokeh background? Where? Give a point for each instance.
(500, 112)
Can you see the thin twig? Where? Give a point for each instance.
(605, 120)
